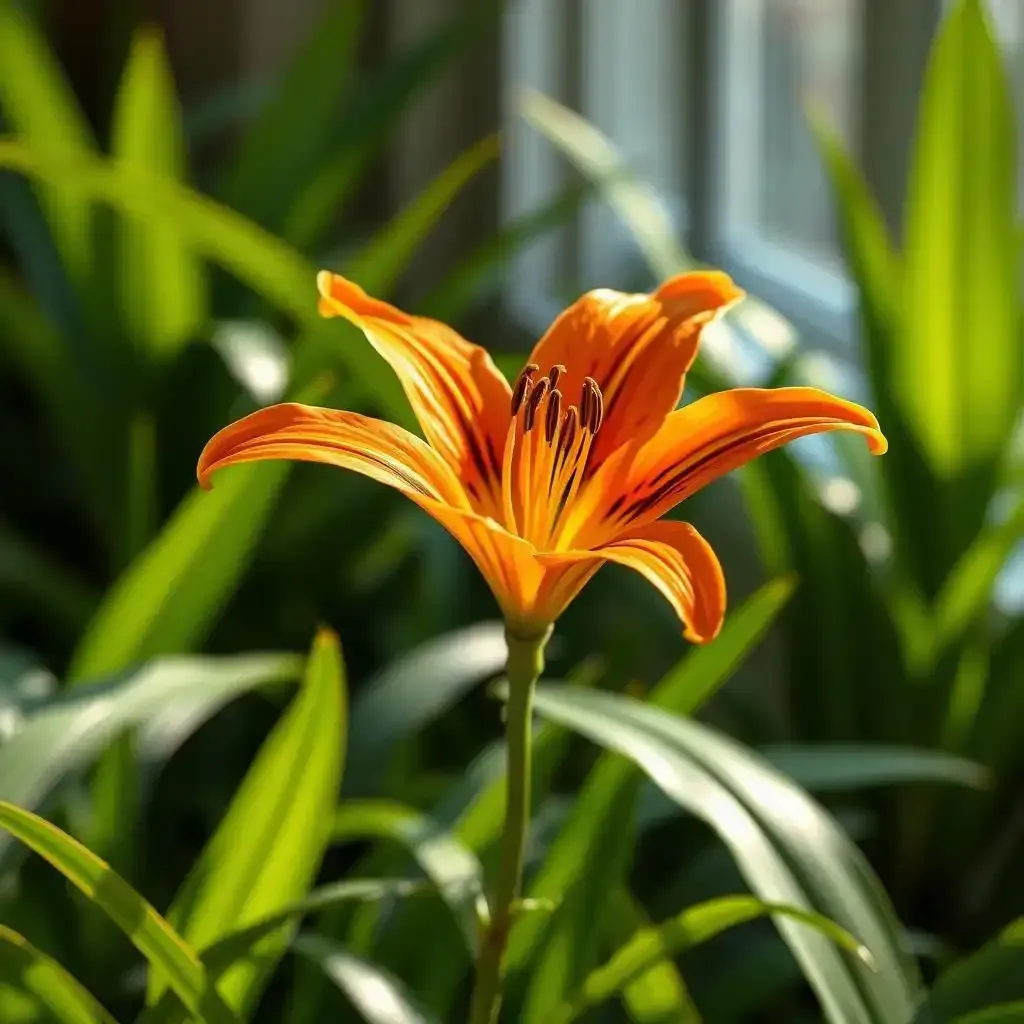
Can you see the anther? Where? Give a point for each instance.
(554, 373)
(570, 424)
(591, 405)
(554, 413)
(522, 386)
(533, 401)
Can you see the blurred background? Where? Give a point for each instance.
(172, 175)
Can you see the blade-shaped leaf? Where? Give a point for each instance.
(994, 974)
(24, 967)
(160, 283)
(961, 257)
(379, 997)
(266, 852)
(687, 929)
(788, 848)
(65, 734)
(838, 767)
(267, 265)
(379, 263)
(38, 104)
(452, 868)
(414, 691)
(283, 145)
(154, 938)
(169, 597)
(683, 690)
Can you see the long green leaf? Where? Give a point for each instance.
(412, 692)
(169, 597)
(1003, 1013)
(451, 867)
(285, 143)
(154, 938)
(379, 263)
(682, 691)
(787, 848)
(994, 974)
(67, 733)
(24, 967)
(266, 852)
(379, 997)
(160, 283)
(684, 931)
(961, 258)
(267, 265)
(38, 104)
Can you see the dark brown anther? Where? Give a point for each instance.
(553, 415)
(522, 387)
(592, 405)
(536, 396)
(570, 424)
(554, 373)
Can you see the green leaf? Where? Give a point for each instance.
(266, 852)
(24, 967)
(380, 262)
(452, 868)
(161, 285)
(637, 205)
(38, 104)
(154, 938)
(267, 265)
(1004, 1013)
(415, 690)
(66, 733)
(788, 849)
(962, 258)
(379, 997)
(657, 994)
(610, 791)
(684, 931)
(839, 767)
(994, 974)
(283, 146)
(169, 597)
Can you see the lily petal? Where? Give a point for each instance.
(637, 347)
(392, 456)
(458, 395)
(678, 561)
(702, 442)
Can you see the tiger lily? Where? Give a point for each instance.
(572, 466)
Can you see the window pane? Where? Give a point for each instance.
(779, 55)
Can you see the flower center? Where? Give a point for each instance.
(546, 452)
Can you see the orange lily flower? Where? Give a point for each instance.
(573, 466)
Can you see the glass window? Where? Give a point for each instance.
(780, 54)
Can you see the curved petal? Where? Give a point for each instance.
(392, 456)
(306, 433)
(459, 396)
(637, 347)
(678, 561)
(701, 442)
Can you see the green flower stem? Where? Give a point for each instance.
(525, 664)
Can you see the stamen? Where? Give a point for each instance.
(533, 400)
(554, 373)
(591, 405)
(570, 424)
(554, 414)
(522, 386)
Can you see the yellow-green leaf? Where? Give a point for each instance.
(266, 852)
(154, 938)
(957, 366)
(160, 283)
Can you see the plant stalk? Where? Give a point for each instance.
(525, 664)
